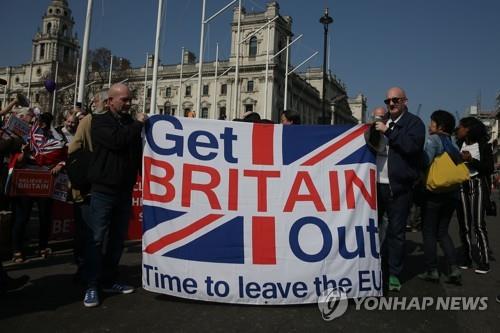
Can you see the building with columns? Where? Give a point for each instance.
(54, 45)
(177, 93)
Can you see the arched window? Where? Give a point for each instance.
(49, 27)
(252, 47)
(64, 29)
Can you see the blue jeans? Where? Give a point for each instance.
(397, 209)
(107, 227)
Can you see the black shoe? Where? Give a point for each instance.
(483, 269)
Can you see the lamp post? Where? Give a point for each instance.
(325, 20)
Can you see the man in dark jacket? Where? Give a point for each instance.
(115, 162)
(399, 168)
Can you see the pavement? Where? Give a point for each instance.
(52, 301)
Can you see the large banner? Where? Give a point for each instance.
(257, 213)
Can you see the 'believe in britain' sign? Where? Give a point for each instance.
(257, 213)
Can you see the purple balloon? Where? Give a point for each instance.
(50, 85)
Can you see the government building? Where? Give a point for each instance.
(56, 49)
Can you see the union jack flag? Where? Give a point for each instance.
(222, 237)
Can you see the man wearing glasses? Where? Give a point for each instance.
(404, 136)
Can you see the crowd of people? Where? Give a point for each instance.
(101, 153)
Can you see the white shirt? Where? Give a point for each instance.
(382, 168)
(473, 149)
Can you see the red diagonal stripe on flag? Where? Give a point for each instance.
(335, 146)
(262, 144)
(182, 233)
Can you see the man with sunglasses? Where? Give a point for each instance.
(399, 171)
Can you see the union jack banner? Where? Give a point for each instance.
(258, 213)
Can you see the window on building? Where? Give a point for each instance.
(250, 85)
(17, 79)
(66, 54)
(223, 89)
(64, 30)
(168, 92)
(42, 51)
(168, 109)
(49, 27)
(248, 108)
(204, 113)
(252, 47)
(188, 91)
(172, 111)
(37, 98)
(149, 93)
(205, 89)
(222, 113)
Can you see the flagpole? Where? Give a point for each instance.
(110, 71)
(145, 84)
(76, 82)
(180, 111)
(215, 78)
(237, 69)
(266, 85)
(54, 93)
(200, 66)
(285, 106)
(152, 107)
(83, 67)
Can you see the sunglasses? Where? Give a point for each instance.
(394, 100)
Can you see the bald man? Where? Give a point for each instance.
(399, 169)
(114, 166)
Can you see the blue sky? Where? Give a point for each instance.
(443, 52)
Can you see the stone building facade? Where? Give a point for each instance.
(55, 42)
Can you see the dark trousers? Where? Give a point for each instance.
(81, 212)
(22, 210)
(108, 224)
(397, 209)
(438, 210)
(471, 214)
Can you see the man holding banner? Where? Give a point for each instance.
(404, 136)
(115, 162)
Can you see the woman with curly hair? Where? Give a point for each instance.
(472, 138)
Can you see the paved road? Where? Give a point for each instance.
(52, 302)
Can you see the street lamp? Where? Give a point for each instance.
(325, 20)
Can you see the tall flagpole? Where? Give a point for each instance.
(76, 82)
(110, 71)
(200, 66)
(83, 67)
(285, 106)
(215, 78)
(54, 93)
(180, 111)
(267, 72)
(145, 84)
(237, 69)
(29, 82)
(152, 107)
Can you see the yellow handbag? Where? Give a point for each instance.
(444, 175)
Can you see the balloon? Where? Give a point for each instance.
(50, 85)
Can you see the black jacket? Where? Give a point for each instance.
(117, 152)
(405, 159)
